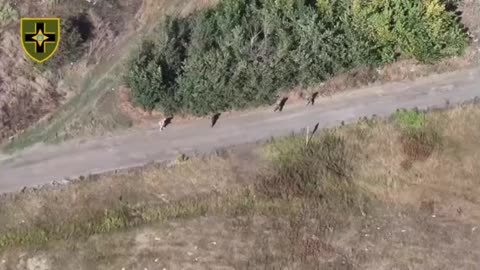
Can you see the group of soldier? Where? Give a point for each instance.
(279, 107)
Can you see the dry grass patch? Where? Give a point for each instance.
(114, 199)
(444, 162)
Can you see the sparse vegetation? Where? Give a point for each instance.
(76, 31)
(33, 93)
(321, 169)
(7, 13)
(319, 175)
(242, 53)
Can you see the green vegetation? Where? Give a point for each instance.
(93, 111)
(410, 119)
(323, 176)
(153, 72)
(243, 53)
(423, 30)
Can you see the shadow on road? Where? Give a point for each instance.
(312, 98)
(215, 118)
(281, 104)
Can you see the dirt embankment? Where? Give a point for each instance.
(30, 92)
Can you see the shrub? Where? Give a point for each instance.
(423, 30)
(155, 67)
(242, 53)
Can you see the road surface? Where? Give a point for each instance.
(45, 163)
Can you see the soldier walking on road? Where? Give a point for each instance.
(311, 99)
(165, 122)
(161, 124)
(281, 104)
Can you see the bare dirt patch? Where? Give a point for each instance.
(25, 93)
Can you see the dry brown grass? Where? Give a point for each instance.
(85, 200)
(28, 93)
(446, 172)
(422, 217)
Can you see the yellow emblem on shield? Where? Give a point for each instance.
(40, 37)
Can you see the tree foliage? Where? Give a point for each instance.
(241, 53)
(154, 69)
(423, 30)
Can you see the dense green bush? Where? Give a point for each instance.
(423, 30)
(242, 53)
(154, 69)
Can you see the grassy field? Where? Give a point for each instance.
(398, 193)
(95, 103)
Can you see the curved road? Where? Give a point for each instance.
(42, 164)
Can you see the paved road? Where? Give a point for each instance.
(43, 164)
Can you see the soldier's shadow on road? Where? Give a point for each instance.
(281, 104)
(215, 118)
